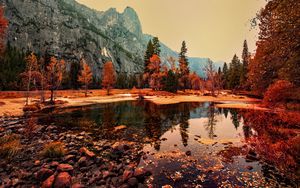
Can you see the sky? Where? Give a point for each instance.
(211, 28)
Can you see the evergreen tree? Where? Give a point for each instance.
(12, 64)
(234, 73)
(245, 63)
(183, 67)
(148, 54)
(170, 82)
(73, 74)
(225, 76)
(156, 46)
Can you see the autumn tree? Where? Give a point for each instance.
(183, 67)
(55, 71)
(3, 27)
(108, 76)
(278, 54)
(43, 78)
(156, 76)
(31, 73)
(211, 76)
(196, 82)
(85, 76)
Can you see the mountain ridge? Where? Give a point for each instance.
(70, 30)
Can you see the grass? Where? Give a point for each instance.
(53, 150)
(10, 146)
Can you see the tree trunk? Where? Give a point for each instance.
(52, 96)
(107, 91)
(86, 90)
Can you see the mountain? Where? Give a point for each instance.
(69, 30)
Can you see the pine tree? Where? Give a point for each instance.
(170, 82)
(156, 46)
(183, 67)
(245, 63)
(148, 54)
(234, 73)
(225, 76)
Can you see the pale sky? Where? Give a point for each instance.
(211, 28)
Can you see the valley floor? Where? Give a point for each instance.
(12, 103)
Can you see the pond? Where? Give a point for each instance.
(194, 144)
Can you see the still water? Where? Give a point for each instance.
(193, 144)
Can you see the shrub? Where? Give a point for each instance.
(53, 150)
(277, 93)
(31, 108)
(9, 146)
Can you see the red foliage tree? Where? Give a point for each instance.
(277, 93)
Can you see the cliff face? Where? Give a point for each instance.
(69, 30)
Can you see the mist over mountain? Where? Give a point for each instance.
(69, 30)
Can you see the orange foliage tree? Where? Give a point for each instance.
(109, 76)
(56, 69)
(85, 75)
(277, 92)
(31, 74)
(196, 82)
(156, 76)
(278, 54)
(3, 27)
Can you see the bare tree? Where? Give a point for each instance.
(211, 76)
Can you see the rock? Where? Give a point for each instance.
(188, 153)
(63, 180)
(141, 173)
(167, 186)
(48, 183)
(119, 128)
(37, 163)
(65, 168)
(82, 162)
(140, 185)
(127, 174)
(132, 181)
(69, 157)
(43, 174)
(54, 164)
(87, 152)
(249, 167)
(77, 185)
(163, 139)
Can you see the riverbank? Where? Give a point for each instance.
(12, 103)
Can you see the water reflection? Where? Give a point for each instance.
(255, 142)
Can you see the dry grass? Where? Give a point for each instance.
(10, 146)
(53, 150)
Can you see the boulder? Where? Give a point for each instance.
(65, 168)
(86, 152)
(48, 183)
(43, 174)
(63, 180)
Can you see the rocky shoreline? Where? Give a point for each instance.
(85, 162)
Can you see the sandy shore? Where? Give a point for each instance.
(13, 106)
